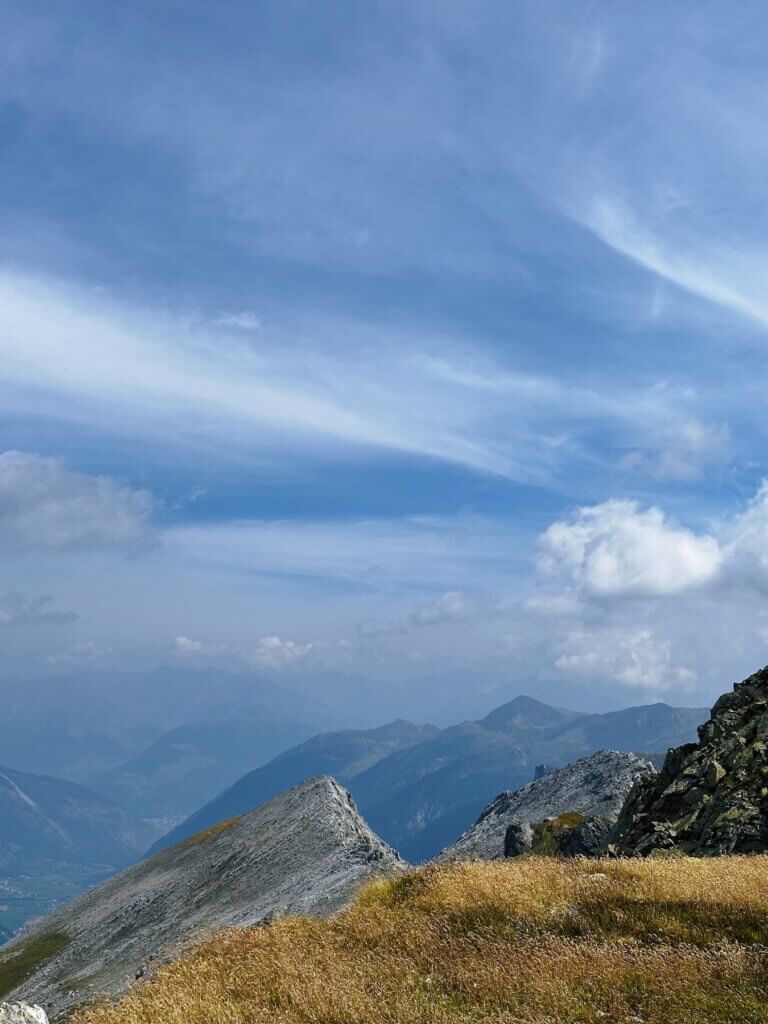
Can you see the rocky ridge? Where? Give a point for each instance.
(710, 797)
(595, 786)
(305, 852)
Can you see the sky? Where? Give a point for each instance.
(396, 342)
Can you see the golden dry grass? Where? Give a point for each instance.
(213, 830)
(534, 940)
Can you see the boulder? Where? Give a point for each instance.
(22, 1013)
(518, 839)
(586, 839)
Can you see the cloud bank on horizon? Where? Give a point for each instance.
(386, 341)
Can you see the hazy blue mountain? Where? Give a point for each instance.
(79, 725)
(342, 754)
(56, 839)
(188, 765)
(44, 817)
(430, 786)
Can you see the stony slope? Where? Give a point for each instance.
(596, 785)
(710, 797)
(305, 852)
(344, 754)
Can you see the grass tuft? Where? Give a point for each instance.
(208, 833)
(528, 941)
(30, 956)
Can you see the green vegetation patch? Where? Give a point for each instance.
(28, 958)
(545, 833)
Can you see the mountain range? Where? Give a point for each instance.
(57, 838)
(420, 786)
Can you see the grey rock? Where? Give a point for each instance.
(305, 852)
(518, 839)
(710, 797)
(596, 785)
(587, 839)
(22, 1013)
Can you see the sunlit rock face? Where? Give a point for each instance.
(710, 797)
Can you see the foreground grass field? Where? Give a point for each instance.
(532, 940)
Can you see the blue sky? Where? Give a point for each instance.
(387, 340)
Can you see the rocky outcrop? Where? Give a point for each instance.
(518, 839)
(587, 838)
(22, 1013)
(595, 786)
(710, 797)
(305, 852)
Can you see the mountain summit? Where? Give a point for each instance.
(710, 797)
(305, 852)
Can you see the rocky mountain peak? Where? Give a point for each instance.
(710, 797)
(307, 851)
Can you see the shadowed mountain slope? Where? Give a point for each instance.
(42, 817)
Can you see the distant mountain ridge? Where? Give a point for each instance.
(159, 743)
(194, 761)
(423, 793)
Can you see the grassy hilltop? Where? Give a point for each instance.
(535, 940)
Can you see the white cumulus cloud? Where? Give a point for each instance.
(616, 548)
(274, 653)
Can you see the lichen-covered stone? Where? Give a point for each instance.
(710, 797)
